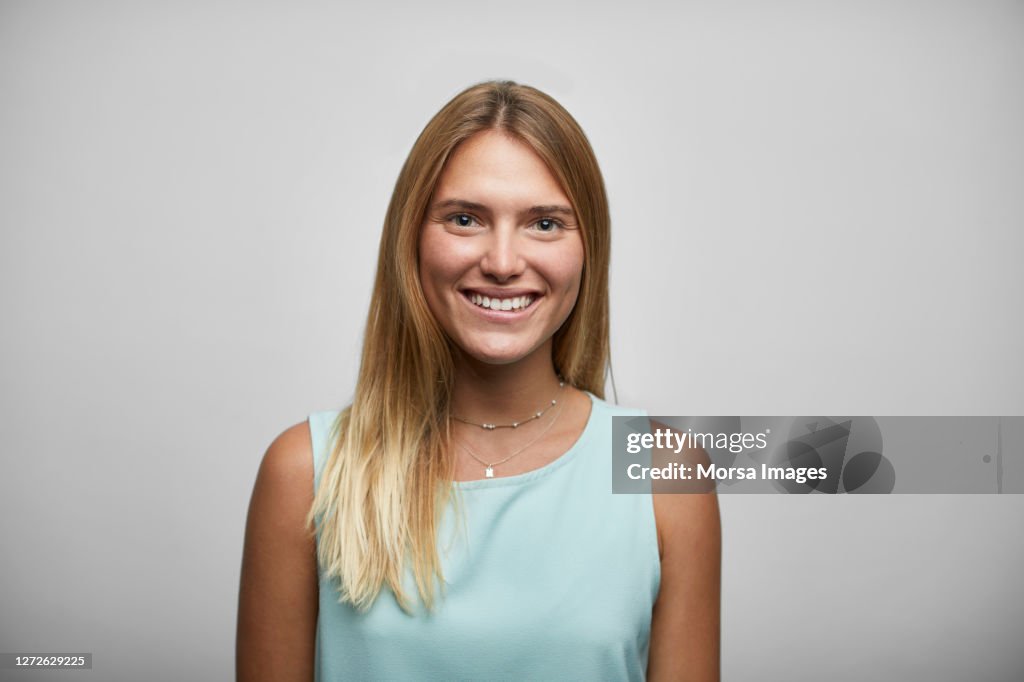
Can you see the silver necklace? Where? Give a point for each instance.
(489, 466)
(514, 425)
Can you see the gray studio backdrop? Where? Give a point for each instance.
(817, 210)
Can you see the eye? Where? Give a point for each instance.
(461, 220)
(547, 225)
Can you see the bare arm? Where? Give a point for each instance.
(278, 598)
(685, 625)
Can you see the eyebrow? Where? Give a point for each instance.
(533, 210)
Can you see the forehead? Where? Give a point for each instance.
(494, 168)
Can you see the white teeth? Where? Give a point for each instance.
(516, 303)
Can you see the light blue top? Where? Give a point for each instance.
(554, 579)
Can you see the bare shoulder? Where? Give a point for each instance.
(283, 493)
(682, 508)
(684, 519)
(288, 462)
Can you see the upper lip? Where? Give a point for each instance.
(491, 292)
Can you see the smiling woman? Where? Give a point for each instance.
(501, 275)
(456, 520)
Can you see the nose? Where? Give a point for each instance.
(502, 259)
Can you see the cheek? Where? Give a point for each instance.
(428, 271)
(442, 262)
(572, 267)
(432, 259)
(564, 274)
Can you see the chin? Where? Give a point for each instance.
(497, 355)
(496, 358)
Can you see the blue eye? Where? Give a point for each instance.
(547, 225)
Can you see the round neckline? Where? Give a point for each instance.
(558, 462)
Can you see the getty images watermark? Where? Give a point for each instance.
(830, 455)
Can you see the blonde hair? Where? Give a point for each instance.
(388, 475)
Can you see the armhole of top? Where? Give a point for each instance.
(649, 522)
(320, 427)
(653, 526)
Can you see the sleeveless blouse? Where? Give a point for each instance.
(552, 577)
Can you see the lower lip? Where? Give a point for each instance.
(502, 315)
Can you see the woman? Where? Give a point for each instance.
(464, 521)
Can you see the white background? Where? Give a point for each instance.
(817, 209)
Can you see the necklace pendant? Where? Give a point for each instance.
(489, 472)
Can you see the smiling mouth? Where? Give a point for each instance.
(510, 304)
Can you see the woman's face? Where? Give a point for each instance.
(500, 251)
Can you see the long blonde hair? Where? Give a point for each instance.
(388, 475)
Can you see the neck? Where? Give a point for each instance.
(495, 393)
